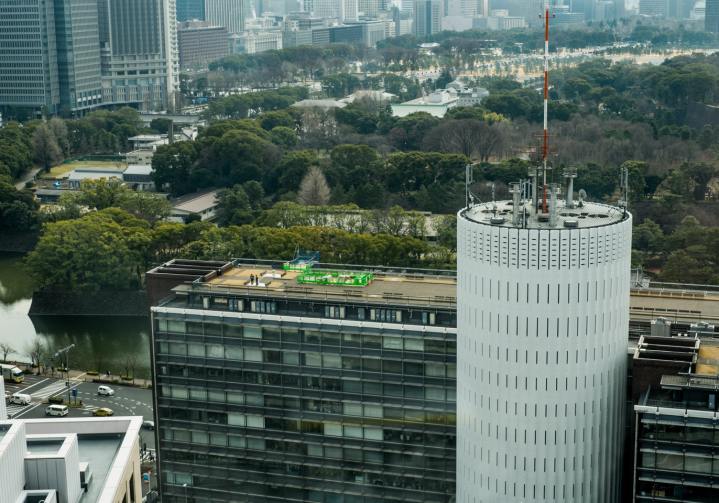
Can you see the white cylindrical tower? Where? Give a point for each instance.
(543, 314)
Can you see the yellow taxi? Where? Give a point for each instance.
(104, 411)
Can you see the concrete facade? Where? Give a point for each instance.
(200, 43)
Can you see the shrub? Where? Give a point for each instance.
(115, 381)
(26, 371)
(126, 378)
(93, 373)
(55, 399)
(61, 369)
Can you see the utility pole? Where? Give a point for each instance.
(66, 351)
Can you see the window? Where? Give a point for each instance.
(434, 393)
(290, 335)
(415, 369)
(218, 439)
(352, 409)
(181, 435)
(315, 450)
(371, 341)
(177, 348)
(214, 352)
(351, 363)
(199, 437)
(371, 364)
(413, 345)
(290, 358)
(313, 360)
(333, 452)
(392, 366)
(351, 340)
(196, 350)
(434, 346)
(271, 333)
(216, 396)
(232, 353)
(255, 422)
(252, 332)
(392, 343)
(332, 361)
(176, 326)
(237, 441)
(198, 394)
(373, 411)
(253, 355)
(179, 393)
(235, 419)
(333, 429)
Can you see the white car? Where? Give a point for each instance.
(105, 390)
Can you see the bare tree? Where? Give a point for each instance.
(35, 350)
(314, 190)
(129, 362)
(6, 348)
(467, 137)
(47, 153)
(97, 361)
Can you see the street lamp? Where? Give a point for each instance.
(67, 369)
(185, 486)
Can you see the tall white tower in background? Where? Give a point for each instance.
(543, 310)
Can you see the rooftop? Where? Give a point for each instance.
(499, 214)
(408, 287)
(195, 203)
(138, 169)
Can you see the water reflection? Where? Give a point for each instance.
(102, 340)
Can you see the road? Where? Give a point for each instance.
(126, 401)
(30, 175)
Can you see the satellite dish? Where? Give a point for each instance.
(582, 193)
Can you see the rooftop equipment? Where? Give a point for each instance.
(340, 278)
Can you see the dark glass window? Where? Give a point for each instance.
(392, 366)
(194, 327)
(331, 384)
(414, 392)
(217, 417)
(330, 338)
(290, 335)
(271, 334)
(251, 377)
(351, 386)
(178, 371)
(233, 375)
(311, 337)
(371, 342)
(213, 329)
(291, 381)
(233, 331)
(350, 363)
(414, 369)
(371, 364)
(393, 389)
(433, 346)
(373, 388)
(195, 372)
(451, 347)
(271, 356)
(214, 374)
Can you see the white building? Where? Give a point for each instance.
(142, 156)
(201, 203)
(76, 176)
(542, 320)
(251, 43)
(435, 104)
(62, 460)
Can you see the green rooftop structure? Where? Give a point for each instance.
(327, 277)
(303, 260)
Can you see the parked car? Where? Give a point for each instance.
(150, 425)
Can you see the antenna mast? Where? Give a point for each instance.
(544, 148)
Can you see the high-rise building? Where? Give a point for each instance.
(139, 52)
(543, 313)
(711, 16)
(200, 43)
(28, 55)
(78, 54)
(280, 385)
(658, 8)
(227, 13)
(49, 55)
(427, 17)
(189, 10)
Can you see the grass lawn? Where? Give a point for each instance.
(58, 171)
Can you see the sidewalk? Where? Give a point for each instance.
(82, 376)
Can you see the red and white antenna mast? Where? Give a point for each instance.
(544, 148)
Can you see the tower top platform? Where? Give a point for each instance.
(499, 214)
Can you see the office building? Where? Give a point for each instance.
(62, 460)
(676, 422)
(227, 13)
(306, 385)
(199, 43)
(190, 10)
(427, 17)
(49, 55)
(139, 53)
(543, 313)
(254, 42)
(711, 16)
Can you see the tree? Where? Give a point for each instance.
(129, 363)
(270, 120)
(6, 348)
(313, 189)
(103, 249)
(466, 137)
(47, 153)
(97, 361)
(145, 205)
(172, 165)
(233, 207)
(446, 228)
(35, 349)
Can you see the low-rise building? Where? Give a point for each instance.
(201, 203)
(143, 156)
(69, 460)
(139, 177)
(468, 96)
(199, 43)
(50, 196)
(79, 174)
(435, 104)
(676, 422)
(254, 42)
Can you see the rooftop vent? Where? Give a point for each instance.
(496, 220)
(571, 223)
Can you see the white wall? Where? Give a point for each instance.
(60, 472)
(541, 362)
(12, 473)
(3, 407)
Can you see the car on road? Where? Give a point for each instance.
(20, 399)
(56, 410)
(105, 390)
(104, 411)
(150, 425)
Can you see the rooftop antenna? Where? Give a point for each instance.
(544, 148)
(570, 174)
(624, 185)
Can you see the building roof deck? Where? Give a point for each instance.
(589, 215)
(422, 288)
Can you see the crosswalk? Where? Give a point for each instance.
(54, 389)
